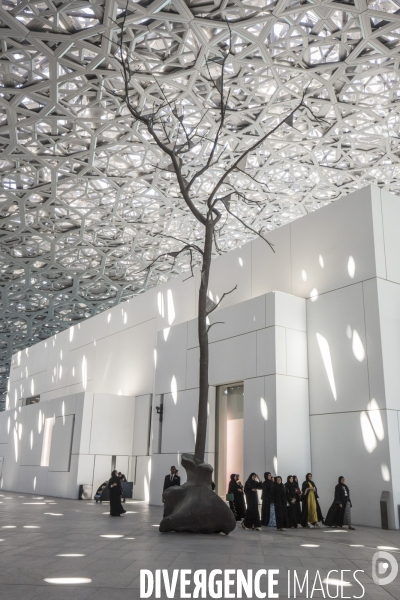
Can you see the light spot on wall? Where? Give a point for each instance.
(146, 489)
(155, 357)
(385, 472)
(264, 409)
(71, 333)
(375, 417)
(34, 483)
(321, 261)
(32, 387)
(357, 347)
(349, 332)
(125, 318)
(275, 463)
(174, 389)
(8, 425)
(40, 422)
(171, 307)
(47, 435)
(194, 428)
(368, 434)
(241, 262)
(16, 445)
(160, 302)
(84, 372)
(109, 318)
(31, 439)
(304, 275)
(327, 360)
(351, 267)
(20, 431)
(61, 354)
(314, 295)
(63, 412)
(73, 371)
(166, 333)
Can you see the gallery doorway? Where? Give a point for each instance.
(229, 435)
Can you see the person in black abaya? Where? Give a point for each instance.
(267, 498)
(239, 500)
(339, 513)
(291, 498)
(252, 518)
(114, 485)
(311, 512)
(298, 499)
(232, 490)
(281, 504)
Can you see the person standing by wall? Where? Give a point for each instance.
(311, 512)
(281, 504)
(298, 499)
(171, 479)
(252, 518)
(114, 485)
(267, 498)
(239, 499)
(291, 498)
(232, 492)
(339, 513)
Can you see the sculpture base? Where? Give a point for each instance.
(194, 507)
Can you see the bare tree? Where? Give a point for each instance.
(204, 147)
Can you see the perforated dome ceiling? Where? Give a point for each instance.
(82, 207)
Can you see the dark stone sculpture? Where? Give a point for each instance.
(194, 507)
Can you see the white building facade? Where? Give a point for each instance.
(304, 371)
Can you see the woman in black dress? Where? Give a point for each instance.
(267, 498)
(252, 518)
(232, 489)
(281, 504)
(291, 498)
(114, 485)
(298, 499)
(339, 513)
(239, 500)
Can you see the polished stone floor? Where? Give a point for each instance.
(55, 539)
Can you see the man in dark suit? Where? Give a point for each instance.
(172, 479)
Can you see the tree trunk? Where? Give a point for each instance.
(203, 343)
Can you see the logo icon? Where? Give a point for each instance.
(381, 561)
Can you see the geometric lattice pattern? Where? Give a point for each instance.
(84, 209)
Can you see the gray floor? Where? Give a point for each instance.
(35, 531)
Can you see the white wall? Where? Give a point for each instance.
(88, 430)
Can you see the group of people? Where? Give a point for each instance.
(286, 505)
